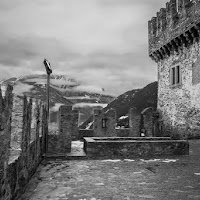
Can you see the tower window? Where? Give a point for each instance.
(175, 76)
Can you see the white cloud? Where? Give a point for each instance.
(89, 88)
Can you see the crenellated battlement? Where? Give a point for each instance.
(174, 26)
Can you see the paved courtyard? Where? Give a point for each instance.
(171, 178)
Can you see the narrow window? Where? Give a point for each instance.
(173, 76)
(104, 123)
(177, 74)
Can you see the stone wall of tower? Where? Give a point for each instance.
(180, 106)
(104, 123)
(174, 36)
(176, 25)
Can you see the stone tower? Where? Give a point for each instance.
(104, 123)
(174, 45)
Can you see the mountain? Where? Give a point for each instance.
(63, 91)
(139, 98)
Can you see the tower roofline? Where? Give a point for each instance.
(176, 25)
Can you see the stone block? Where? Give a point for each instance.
(134, 122)
(104, 123)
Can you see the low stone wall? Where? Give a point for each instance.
(90, 133)
(123, 132)
(108, 148)
(58, 146)
(85, 133)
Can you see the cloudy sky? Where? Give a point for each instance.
(103, 43)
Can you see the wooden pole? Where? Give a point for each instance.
(48, 83)
(46, 135)
(49, 71)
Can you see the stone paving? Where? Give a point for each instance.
(170, 178)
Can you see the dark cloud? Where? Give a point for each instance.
(15, 50)
(101, 42)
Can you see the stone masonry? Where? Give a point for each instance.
(134, 122)
(104, 123)
(68, 130)
(174, 41)
(147, 121)
(19, 162)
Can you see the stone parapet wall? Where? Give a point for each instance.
(174, 26)
(5, 138)
(85, 133)
(125, 132)
(19, 162)
(133, 147)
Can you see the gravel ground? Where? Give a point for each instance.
(170, 178)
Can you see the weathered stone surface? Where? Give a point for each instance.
(134, 147)
(180, 106)
(123, 132)
(137, 121)
(5, 138)
(134, 122)
(33, 120)
(85, 133)
(171, 22)
(147, 121)
(174, 40)
(68, 130)
(75, 124)
(17, 122)
(104, 123)
(17, 165)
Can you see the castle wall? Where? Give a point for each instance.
(173, 23)
(19, 162)
(17, 122)
(174, 36)
(147, 121)
(68, 130)
(104, 123)
(180, 106)
(137, 121)
(134, 122)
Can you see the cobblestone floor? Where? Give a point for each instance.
(170, 178)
